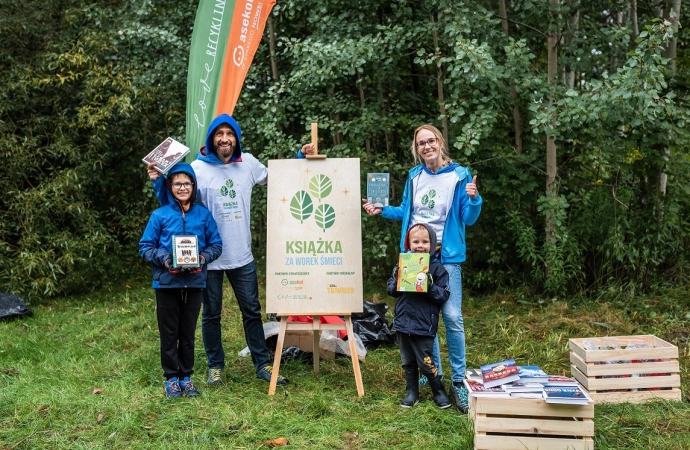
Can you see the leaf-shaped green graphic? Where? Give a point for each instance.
(324, 216)
(425, 199)
(320, 186)
(431, 204)
(229, 184)
(232, 194)
(432, 193)
(301, 206)
(223, 191)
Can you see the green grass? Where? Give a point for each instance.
(50, 365)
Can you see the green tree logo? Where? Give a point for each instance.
(301, 206)
(427, 199)
(227, 190)
(324, 216)
(320, 186)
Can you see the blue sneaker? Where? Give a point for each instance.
(266, 373)
(460, 396)
(172, 388)
(188, 387)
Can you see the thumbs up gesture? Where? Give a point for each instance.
(471, 188)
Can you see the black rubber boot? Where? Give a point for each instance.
(412, 397)
(439, 391)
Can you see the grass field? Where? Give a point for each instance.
(84, 372)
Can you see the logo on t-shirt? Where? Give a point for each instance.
(428, 199)
(227, 190)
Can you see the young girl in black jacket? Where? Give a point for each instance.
(416, 319)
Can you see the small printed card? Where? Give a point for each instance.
(185, 251)
(167, 154)
(412, 272)
(378, 189)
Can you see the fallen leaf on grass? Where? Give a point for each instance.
(44, 408)
(97, 391)
(277, 442)
(351, 436)
(11, 371)
(100, 418)
(151, 416)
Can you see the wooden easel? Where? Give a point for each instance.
(316, 326)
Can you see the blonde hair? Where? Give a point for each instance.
(445, 156)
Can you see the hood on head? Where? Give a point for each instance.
(432, 238)
(223, 119)
(180, 167)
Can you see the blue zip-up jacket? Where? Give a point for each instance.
(417, 313)
(465, 211)
(207, 155)
(156, 243)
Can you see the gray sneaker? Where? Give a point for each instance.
(215, 377)
(266, 373)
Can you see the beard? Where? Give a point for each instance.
(224, 152)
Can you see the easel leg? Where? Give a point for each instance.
(279, 352)
(353, 354)
(317, 341)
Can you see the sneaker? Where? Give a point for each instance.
(460, 396)
(172, 388)
(424, 381)
(215, 377)
(266, 373)
(188, 387)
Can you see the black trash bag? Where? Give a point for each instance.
(288, 353)
(372, 327)
(12, 306)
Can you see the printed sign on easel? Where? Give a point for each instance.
(314, 245)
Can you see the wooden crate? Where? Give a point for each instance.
(524, 423)
(629, 381)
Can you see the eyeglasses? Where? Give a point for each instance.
(430, 141)
(182, 185)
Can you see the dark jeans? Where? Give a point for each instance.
(416, 353)
(177, 311)
(246, 287)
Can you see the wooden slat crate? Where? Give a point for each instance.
(524, 423)
(655, 376)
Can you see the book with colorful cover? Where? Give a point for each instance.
(477, 389)
(557, 380)
(569, 395)
(412, 272)
(532, 374)
(185, 251)
(166, 155)
(499, 373)
(378, 189)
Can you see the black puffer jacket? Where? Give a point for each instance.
(417, 312)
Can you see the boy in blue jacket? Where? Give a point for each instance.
(179, 292)
(416, 319)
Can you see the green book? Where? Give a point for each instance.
(412, 272)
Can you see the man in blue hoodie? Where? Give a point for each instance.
(226, 177)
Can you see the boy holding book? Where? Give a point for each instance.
(416, 319)
(179, 291)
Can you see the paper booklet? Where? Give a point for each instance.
(412, 272)
(378, 189)
(185, 251)
(166, 155)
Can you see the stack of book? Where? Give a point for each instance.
(506, 379)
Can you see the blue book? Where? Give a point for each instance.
(532, 374)
(378, 189)
(569, 395)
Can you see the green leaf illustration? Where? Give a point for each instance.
(232, 194)
(223, 191)
(301, 206)
(432, 193)
(320, 186)
(431, 204)
(229, 184)
(425, 199)
(324, 216)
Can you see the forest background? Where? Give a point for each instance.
(572, 114)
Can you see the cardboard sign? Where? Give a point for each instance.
(314, 237)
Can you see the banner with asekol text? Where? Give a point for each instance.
(226, 36)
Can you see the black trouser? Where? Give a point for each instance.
(416, 353)
(177, 311)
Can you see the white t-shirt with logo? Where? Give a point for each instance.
(433, 198)
(226, 190)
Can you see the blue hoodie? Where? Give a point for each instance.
(155, 245)
(465, 211)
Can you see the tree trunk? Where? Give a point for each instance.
(439, 88)
(633, 19)
(551, 165)
(360, 82)
(573, 24)
(517, 123)
(272, 49)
